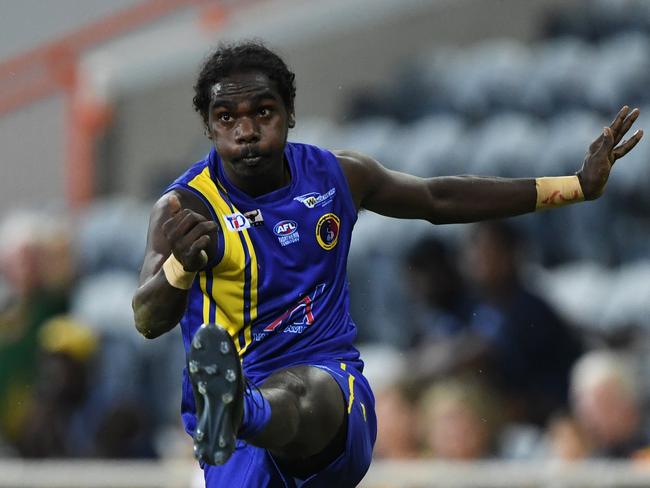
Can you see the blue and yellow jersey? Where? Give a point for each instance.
(279, 281)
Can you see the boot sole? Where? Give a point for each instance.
(216, 375)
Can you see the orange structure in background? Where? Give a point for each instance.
(52, 69)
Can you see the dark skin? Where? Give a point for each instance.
(248, 123)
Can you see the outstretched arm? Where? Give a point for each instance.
(182, 236)
(457, 199)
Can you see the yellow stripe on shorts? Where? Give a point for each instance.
(351, 387)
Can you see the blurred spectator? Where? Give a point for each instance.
(439, 307)
(36, 262)
(53, 423)
(459, 420)
(530, 349)
(89, 407)
(607, 404)
(440, 312)
(566, 439)
(66, 417)
(386, 369)
(396, 423)
(124, 432)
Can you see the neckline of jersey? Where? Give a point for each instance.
(272, 197)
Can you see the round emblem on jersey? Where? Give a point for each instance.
(327, 231)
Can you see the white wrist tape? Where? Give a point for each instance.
(176, 274)
(558, 191)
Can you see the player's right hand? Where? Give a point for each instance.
(190, 235)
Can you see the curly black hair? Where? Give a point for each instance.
(242, 57)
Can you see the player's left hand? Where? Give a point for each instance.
(604, 152)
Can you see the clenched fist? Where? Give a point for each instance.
(190, 235)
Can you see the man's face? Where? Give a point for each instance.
(489, 264)
(608, 413)
(248, 124)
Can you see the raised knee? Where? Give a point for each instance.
(312, 409)
(286, 392)
(322, 406)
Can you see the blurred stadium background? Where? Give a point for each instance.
(501, 355)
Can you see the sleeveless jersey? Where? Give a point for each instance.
(279, 283)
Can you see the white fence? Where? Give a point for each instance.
(416, 474)
(507, 475)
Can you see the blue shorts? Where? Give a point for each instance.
(252, 466)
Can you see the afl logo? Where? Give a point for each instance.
(327, 231)
(285, 228)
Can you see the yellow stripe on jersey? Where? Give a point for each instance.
(229, 290)
(254, 278)
(229, 275)
(252, 285)
(203, 282)
(253, 292)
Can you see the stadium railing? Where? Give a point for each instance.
(383, 474)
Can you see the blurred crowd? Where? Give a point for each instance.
(486, 364)
(495, 371)
(524, 339)
(76, 380)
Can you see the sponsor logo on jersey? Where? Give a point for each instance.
(296, 319)
(236, 222)
(255, 217)
(327, 231)
(287, 232)
(314, 199)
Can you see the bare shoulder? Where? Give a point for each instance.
(162, 204)
(187, 199)
(158, 247)
(361, 171)
(353, 160)
(163, 210)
